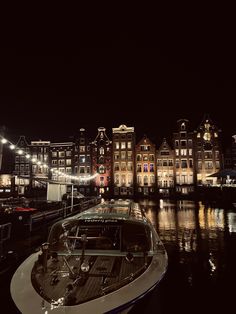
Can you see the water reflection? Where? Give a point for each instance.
(201, 245)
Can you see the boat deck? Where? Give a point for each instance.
(106, 274)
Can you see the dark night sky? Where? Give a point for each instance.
(147, 77)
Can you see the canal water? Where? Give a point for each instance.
(201, 244)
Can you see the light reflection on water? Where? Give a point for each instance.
(201, 244)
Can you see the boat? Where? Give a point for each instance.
(102, 260)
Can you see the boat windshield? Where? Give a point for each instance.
(136, 237)
(70, 237)
(125, 236)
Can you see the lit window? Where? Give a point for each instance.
(129, 145)
(61, 154)
(145, 168)
(101, 169)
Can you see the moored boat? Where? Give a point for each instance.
(101, 260)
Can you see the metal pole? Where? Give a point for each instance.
(72, 196)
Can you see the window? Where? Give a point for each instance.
(139, 180)
(184, 179)
(183, 143)
(177, 152)
(151, 167)
(102, 181)
(130, 181)
(54, 162)
(68, 162)
(123, 146)
(152, 179)
(151, 157)
(164, 163)
(68, 170)
(82, 158)
(61, 162)
(16, 168)
(145, 167)
(183, 126)
(130, 166)
(208, 165)
(129, 155)
(82, 169)
(117, 179)
(165, 153)
(116, 156)
(68, 153)
(190, 163)
(139, 168)
(139, 157)
(184, 163)
(159, 162)
(176, 143)
(27, 168)
(177, 163)
(217, 155)
(88, 169)
(177, 179)
(190, 178)
(123, 166)
(34, 169)
(61, 154)
(208, 155)
(145, 180)
(190, 143)
(183, 152)
(217, 164)
(190, 152)
(117, 168)
(82, 149)
(145, 147)
(123, 179)
(199, 164)
(101, 151)
(129, 145)
(123, 155)
(17, 159)
(170, 162)
(101, 169)
(54, 154)
(145, 157)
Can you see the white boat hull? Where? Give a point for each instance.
(29, 301)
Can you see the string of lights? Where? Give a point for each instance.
(34, 160)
